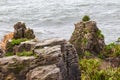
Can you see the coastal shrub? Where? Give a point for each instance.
(9, 54)
(101, 56)
(111, 50)
(90, 70)
(87, 54)
(86, 18)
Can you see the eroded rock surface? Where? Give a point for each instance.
(20, 31)
(24, 46)
(2, 52)
(87, 37)
(56, 60)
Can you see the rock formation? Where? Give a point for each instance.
(20, 31)
(56, 60)
(24, 46)
(87, 37)
(20, 34)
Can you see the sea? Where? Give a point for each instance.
(56, 18)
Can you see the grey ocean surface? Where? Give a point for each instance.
(56, 18)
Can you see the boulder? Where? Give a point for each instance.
(57, 60)
(20, 31)
(87, 37)
(24, 46)
(29, 34)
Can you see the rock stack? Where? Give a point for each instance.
(20, 31)
(87, 37)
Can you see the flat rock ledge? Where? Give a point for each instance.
(57, 60)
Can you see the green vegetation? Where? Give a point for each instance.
(9, 54)
(118, 39)
(25, 53)
(86, 18)
(99, 34)
(111, 50)
(14, 42)
(84, 41)
(17, 41)
(87, 54)
(90, 69)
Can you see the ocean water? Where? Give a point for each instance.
(56, 18)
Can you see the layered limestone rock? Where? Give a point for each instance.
(21, 33)
(56, 60)
(24, 46)
(87, 37)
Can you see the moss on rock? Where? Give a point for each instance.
(12, 43)
(86, 18)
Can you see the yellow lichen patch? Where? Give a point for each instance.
(5, 39)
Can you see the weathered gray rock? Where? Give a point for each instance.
(20, 31)
(2, 52)
(24, 46)
(12, 68)
(69, 66)
(56, 60)
(87, 37)
(63, 54)
(48, 72)
(50, 42)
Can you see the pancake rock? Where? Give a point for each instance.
(56, 60)
(87, 37)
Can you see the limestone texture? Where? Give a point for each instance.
(56, 59)
(87, 37)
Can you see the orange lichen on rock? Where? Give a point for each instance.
(5, 39)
